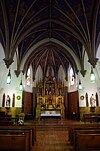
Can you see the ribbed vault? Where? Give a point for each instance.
(75, 23)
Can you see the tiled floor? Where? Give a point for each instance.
(52, 139)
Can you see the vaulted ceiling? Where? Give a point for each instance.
(74, 23)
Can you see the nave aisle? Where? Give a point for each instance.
(52, 139)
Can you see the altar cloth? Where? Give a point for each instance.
(49, 115)
(44, 116)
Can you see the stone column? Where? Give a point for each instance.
(66, 98)
(34, 99)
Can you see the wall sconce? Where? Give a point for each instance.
(21, 86)
(9, 78)
(92, 75)
(80, 85)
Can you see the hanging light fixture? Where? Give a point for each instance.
(92, 75)
(21, 86)
(80, 85)
(9, 77)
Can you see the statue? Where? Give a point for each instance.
(92, 100)
(8, 101)
(38, 108)
(61, 103)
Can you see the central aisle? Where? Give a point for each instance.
(52, 139)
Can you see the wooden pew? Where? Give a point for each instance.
(86, 140)
(73, 127)
(91, 118)
(16, 128)
(6, 123)
(14, 140)
(7, 120)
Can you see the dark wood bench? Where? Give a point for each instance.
(8, 120)
(86, 140)
(31, 136)
(6, 123)
(81, 126)
(14, 140)
(91, 118)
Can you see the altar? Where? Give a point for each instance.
(50, 113)
(46, 116)
(50, 101)
(47, 109)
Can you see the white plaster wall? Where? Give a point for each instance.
(15, 81)
(14, 86)
(88, 86)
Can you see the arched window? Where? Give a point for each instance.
(61, 74)
(39, 75)
(72, 79)
(29, 76)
